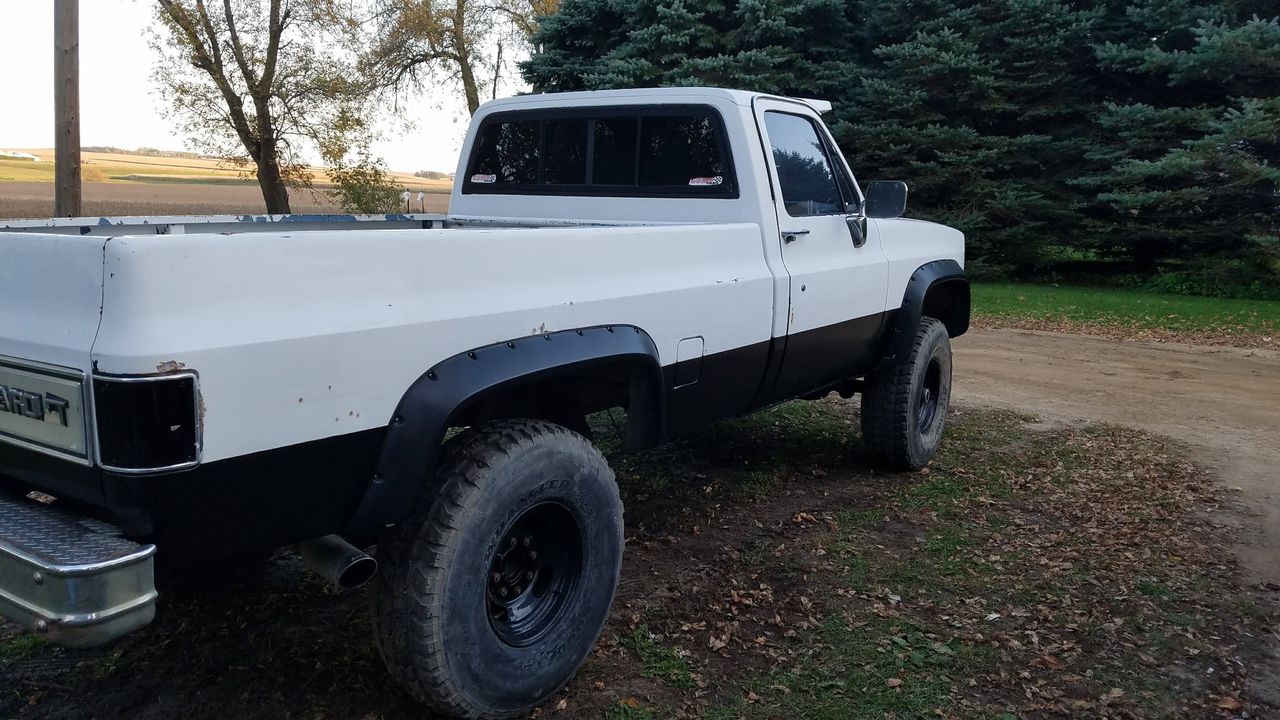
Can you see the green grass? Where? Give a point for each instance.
(21, 646)
(25, 171)
(871, 669)
(1154, 589)
(658, 661)
(1112, 306)
(622, 711)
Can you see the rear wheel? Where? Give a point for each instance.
(904, 407)
(494, 591)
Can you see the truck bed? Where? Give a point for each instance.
(319, 329)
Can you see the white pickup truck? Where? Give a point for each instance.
(206, 388)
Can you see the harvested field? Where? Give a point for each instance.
(130, 167)
(35, 199)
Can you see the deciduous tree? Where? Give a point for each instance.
(454, 41)
(259, 82)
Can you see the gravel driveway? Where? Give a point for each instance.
(1223, 402)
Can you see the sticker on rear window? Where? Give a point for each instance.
(486, 179)
(706, 181)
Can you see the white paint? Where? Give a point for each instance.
(50, 293)
(830, 280)
(320, 333)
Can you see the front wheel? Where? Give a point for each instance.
(496, 588)
(904, 407)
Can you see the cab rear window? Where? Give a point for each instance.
(664, 151)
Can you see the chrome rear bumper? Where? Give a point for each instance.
(72, 580)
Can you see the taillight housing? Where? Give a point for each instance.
(147, 423)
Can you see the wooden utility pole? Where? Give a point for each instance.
(497, 72)
(66, 112)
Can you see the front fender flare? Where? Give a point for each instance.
(927, 276)
(424, 414)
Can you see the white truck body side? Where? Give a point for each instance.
(304, 323)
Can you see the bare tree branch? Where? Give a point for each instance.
(237, 49)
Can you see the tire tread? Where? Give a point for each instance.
(406, 606)
(886, 405)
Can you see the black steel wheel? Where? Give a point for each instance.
(493, 592)
(533, 573)
(930, 393)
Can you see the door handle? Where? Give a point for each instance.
(790, 236)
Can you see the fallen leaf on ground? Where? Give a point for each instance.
(1226, 702)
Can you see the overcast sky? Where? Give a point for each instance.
(119, 106)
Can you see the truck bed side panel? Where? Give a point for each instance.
(303, 336)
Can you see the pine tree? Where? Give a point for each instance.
(1143, 131)
(768, 45)
(982, 108)
(1191, 179)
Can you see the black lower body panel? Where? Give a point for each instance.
(725, 386)
(219, 510)
(254, 503)
(820, 357)
(247, 504)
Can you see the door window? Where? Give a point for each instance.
(805, 170)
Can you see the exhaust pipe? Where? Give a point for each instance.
(337, 561)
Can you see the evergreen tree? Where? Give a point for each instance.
(769, 45)
(1191, 171)
(1143, 131)
(982, 108)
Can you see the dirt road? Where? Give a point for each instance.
(1224, 402)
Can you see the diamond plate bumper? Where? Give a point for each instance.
(72, 580)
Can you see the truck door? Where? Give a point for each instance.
(837, 267)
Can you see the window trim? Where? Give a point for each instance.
(727, 191)
(844, 183)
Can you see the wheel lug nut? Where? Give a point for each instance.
(513, 542)
(527, 540)
(528, 575)
(496, 577)
(518, 590)
(502, 592)
(533, 554)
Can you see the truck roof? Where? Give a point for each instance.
(661, 94)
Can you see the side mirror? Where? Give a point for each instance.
(885, 199)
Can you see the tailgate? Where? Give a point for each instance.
(50, 306)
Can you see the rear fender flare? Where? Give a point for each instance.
(440, 395)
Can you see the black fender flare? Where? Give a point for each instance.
(425, 412)
(926, 277)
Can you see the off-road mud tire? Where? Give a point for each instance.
(433, 607)
(898, 428)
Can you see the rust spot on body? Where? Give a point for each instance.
(170, 366)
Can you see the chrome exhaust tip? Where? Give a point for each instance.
(337, 561)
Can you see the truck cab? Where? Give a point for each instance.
(709, 155)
